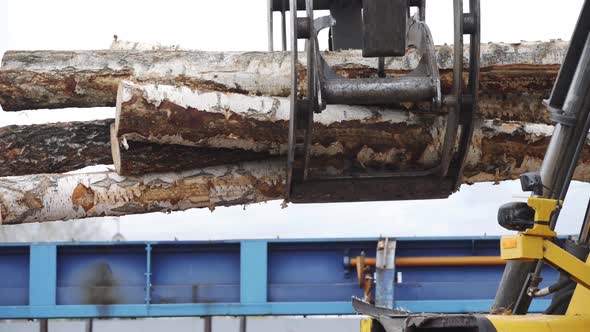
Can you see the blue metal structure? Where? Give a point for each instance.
(247, 277)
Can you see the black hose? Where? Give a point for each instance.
(563, 294)
(559, 285)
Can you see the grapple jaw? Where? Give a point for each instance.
(387, 29)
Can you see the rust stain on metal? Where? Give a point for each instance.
(83, 196)
(99, 285)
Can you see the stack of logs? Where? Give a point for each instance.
(206, 129)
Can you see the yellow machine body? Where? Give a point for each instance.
(540, 323)
(577, 317)
(521, 247)
(533, 244)
(580, 303)
(536, 243)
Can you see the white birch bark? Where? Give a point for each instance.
(47, 197)
(58, 79)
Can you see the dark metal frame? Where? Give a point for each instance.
(277, 6)
(324, 87)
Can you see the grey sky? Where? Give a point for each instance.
(241, 25)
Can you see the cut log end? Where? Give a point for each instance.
(116, 150)
(121, 94)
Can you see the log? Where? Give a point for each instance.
(503, 151)
(136, 158)
(344, 136)
(351, 139)
(500, 151)
(69, 146)
(48, 197)
(508, 149)
(514, 77)
(54, 148)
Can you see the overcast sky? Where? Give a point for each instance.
(241, 25)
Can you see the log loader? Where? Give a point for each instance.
(386, 28)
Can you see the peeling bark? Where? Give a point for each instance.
(54, 148)
(347, 139)
(48, 197)
(514, 77)
(124, 45)
(69, 146)
(503, 151)
(136, 158)
(500, 151)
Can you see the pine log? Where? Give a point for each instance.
(514, 77)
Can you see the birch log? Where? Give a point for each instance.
(348, 138)
(69, 146)
(47, 197)
(137, 157)
(344, 136)
(514, 77)
(506, 150)
(500, 151)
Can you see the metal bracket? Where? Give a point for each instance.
(385, 274)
